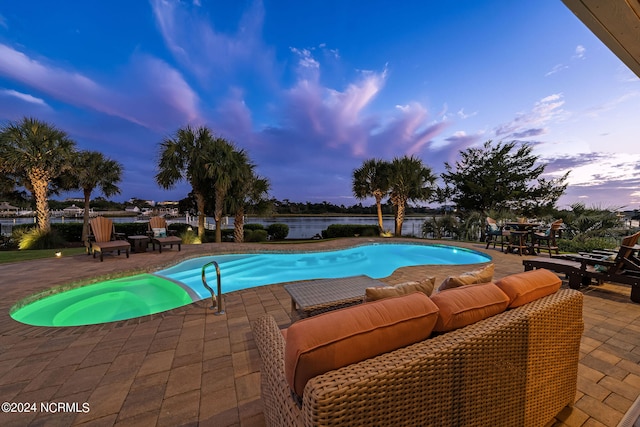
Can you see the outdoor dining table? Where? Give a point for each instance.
(520, 236)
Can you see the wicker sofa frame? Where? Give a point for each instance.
(516, 368)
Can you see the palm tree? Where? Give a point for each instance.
(91, 170)
(249, 190)
(409, 180)
(36, 153)
(223, 165)
(372, 180)
(183, 157)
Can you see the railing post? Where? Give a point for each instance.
(216, 300)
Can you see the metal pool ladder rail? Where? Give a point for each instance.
(217, 304)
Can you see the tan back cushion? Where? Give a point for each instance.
(483, 275)
(339, 338)
(468, 304)
(529, 286)
(380, 292)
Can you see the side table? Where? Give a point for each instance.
(138, 243)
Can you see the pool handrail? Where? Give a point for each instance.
(216, 300)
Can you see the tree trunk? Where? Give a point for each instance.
(85, 217)
(238, 226)
(40, 186)
(378, 197)
(400, 206)
(217, 215)
(201, 216)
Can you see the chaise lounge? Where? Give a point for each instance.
(623, 267)
(160, 235)
(103, 238)
(516, 367)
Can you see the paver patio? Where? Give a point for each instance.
(190, 367)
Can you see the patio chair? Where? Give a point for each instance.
(623, 267)
(495, 232)
(103, 238)
(160, 234)
(547, 239)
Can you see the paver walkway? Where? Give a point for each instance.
(190, 367)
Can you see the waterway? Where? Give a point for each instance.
(300, 227)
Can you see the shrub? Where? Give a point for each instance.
(256, 236)
(586, 244)
(37, 239)
(278, 231)
(189, 237)
(70, 232)
(131, 228)
(253, 227)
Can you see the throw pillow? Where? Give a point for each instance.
(529, 286)
(604, 268)
(380, 292)
(339, 338)
(483, 275)
(468, 304)
(159, 232)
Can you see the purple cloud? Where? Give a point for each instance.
(529, 124)
(153, 91)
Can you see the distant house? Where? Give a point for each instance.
(6, 209)
(73, 210)
(132, 209)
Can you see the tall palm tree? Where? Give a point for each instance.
(372, 180)
(36, 153)
(91, 170)
(182, 156)
(248, 190)
(224, 164)
(410, 180)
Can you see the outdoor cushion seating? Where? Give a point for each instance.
(529, 286)
(581, 270)
(468, 304)
(103, 238)
(518, 367)
(339, 338)
(160, 234)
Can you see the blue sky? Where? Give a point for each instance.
(312, 89)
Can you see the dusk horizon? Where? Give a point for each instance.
(312, 90)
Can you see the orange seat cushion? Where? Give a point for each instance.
(529, 286)
(483, 275)
(339, 338)
(468, 304)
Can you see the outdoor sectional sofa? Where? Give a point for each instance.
(515, 368)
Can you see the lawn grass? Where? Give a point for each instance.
(17, 256)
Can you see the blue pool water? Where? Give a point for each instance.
(376, 260)
(173, 287)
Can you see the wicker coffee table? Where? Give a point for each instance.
(311, 297)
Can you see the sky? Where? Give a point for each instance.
(312, 89)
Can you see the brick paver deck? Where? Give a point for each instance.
(189, 367)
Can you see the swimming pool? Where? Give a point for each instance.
(173, 287)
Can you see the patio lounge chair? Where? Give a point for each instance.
(623, 267)
(104, 238)
(160, 234)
